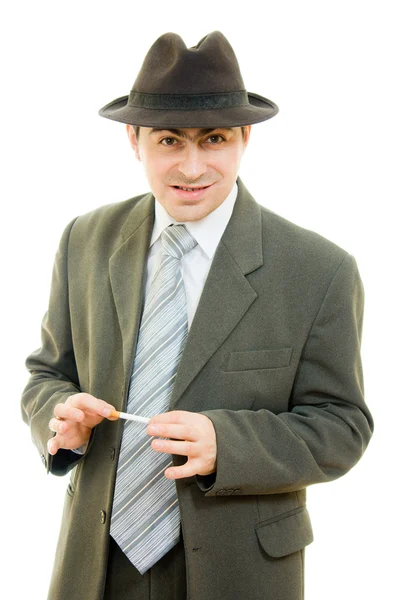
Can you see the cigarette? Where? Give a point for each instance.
(116, 414)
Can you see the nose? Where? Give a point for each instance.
(192, 162)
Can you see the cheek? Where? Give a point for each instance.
(154, 169)
(229, 161)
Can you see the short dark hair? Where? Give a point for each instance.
(136, 129)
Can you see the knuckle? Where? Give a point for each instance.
(55, 441)
(178, 416)
(78, 415)
(58, 409)
(188, 448)
(158, 445)
(165, 446)
(186, 431)
(188, 471)
(77, 399)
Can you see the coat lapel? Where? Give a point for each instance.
(227, 294)
(127, 268)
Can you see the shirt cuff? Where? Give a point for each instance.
(81, 449)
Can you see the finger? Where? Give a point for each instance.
(174, 416)
(66, 411)
(88, 403)
(58, 426)
(172, 447)
(54, 444)
(186, 470)
(172, 430)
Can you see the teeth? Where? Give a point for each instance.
(191, 189)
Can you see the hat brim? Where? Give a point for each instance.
(259, 109)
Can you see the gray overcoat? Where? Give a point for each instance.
(272, 358)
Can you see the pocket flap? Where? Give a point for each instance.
(259, 359)
(285, 534)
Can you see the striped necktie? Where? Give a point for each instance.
(145, 519)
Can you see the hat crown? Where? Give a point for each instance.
(171, 68)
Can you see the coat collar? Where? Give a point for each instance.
(226, 297)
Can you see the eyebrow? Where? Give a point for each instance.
(181, 133)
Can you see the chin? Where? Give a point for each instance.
(188, 213)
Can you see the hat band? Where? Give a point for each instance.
(188, 101)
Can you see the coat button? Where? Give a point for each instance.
(102, 517)
(112, 453)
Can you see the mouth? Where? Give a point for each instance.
(191, 193)
(191, 189)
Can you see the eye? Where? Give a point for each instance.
(215, 139)
(168, 141)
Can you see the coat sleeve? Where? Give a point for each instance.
(52, 367)
(328, 426)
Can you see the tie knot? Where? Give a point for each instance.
(177, 241)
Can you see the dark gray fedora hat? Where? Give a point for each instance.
(190, 87)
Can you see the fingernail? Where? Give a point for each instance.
(106, 412)
(152, 429)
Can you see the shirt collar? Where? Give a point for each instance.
(207, 232)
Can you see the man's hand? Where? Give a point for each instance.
(191, 435)
(74, 420)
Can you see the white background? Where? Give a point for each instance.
(328, 161)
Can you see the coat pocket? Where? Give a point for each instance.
(286, 533)
(259, 359)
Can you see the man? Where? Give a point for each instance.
(236, 332)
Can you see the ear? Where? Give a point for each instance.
(133, 140)
(246, 135)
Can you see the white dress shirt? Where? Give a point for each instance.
(196, 264)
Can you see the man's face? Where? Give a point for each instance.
(190, 171)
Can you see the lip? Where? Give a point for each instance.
(196, 195)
